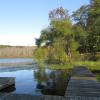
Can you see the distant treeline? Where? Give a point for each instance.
(7, 51)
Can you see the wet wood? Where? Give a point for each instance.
(6, 82)
(83, 84)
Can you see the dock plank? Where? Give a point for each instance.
(6, 82)
(83, 84)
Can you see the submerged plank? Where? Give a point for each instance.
(6, 82)
(83, 84)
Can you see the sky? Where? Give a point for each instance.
(21, 21)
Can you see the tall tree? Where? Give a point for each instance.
(60, 35)
(93, 26)
(88, 17)
(80, 16)
(61, 22)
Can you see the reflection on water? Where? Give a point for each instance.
(51, 82)
(38, 81)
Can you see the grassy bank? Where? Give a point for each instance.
(59, 66)
(92, 65)
(98, 76)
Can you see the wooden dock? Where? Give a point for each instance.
(82, 86)
(6, 82)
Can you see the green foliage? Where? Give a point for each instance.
(94, 10)
(57, 66)
(81, 16)
(61, 41)
(40, 54)
(58, 14)
(94, 37)
(88, 17)
(62, 26)
(98, 76)
(93, 27)
(58, 39)
(92, 65)
(45, 35)
(57, 52)
(80, 36)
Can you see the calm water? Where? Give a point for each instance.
(15, 60)
(36, 81)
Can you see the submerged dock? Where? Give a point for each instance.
(5, 82)
(82, 86)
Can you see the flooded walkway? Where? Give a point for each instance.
(82, 86)
(6, 82)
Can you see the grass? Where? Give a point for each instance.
(98, 76)
(91, 65)
(59, 66)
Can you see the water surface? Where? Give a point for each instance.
(15, 60)
(36, 81)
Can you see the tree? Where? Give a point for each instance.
(88, 18)
(60, 20)
(58, 14)
(60, 36)
(93, 26)
(94, 37)
(80, 36)
(80, 16)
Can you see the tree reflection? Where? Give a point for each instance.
(51, 82)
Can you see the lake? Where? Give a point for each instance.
(33, 80)
(15, 60)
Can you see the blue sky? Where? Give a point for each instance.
(22, 20)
